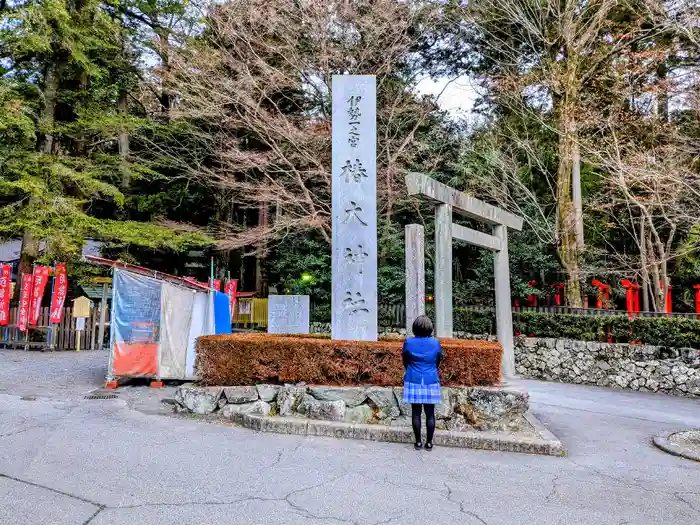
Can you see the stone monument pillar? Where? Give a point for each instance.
(354, 213)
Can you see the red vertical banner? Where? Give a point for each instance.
(5, 293)
(58, 297)
(25, 298)
(231, 290)
(216, 285)
(40, 277)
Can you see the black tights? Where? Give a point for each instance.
(429, 420)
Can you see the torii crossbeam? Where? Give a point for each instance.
(448, 200)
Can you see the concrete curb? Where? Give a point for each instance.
(547, 445)
(664, 443)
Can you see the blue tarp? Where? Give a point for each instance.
(222, 313)
(136, 308)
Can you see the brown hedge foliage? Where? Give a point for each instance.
(249, 359)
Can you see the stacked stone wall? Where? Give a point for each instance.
(637, 367)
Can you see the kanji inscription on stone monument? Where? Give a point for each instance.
(354, 214)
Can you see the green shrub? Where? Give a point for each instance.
(674, 331)
(320, 313)
(474, 321)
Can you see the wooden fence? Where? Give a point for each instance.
(62, 336)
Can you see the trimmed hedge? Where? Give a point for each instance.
(674, 331)
(249, 359)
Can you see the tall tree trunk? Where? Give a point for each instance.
(577, 197)
(566, 213)
(49, 111)
(577, 194)
(30, 244)
(28, 253)
(260, 281)
(644, 263)
(166, 99)
(655, 279)
(662, 73)
(123, 139)
(663, 285)
(79, 145)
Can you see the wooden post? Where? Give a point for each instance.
(79, 327)
(103, 309)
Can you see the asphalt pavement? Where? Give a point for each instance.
(67, 460)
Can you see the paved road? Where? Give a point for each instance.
(69, 461)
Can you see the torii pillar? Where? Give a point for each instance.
(446, 201)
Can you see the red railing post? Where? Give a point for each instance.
(632, 300)
(602, 299)
(557, 293)
(531, 299)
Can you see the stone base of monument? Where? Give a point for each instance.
(489, 418)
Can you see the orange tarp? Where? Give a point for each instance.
(135, 359)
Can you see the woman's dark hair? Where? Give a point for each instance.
(422, 326)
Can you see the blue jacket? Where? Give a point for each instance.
(421, 357)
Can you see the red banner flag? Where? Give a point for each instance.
(217, 284)
(58, 297)
(231, 289)
(5, 293)
(40, 278)
(25, 298)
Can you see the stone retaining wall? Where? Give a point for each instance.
(464, 408)
(637, 367)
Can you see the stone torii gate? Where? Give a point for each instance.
(447, 200)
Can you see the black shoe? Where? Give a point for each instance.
(418, 445)
(428, 447)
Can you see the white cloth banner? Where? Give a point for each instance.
(177, 305)
(198, 327)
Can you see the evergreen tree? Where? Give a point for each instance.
(60, 167)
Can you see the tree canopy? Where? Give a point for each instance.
(173, 131)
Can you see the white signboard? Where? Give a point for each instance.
(354, 222)
(244, 307)
(288, 314)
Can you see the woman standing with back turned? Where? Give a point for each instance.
(421, 387)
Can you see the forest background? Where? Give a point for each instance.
(176, 130)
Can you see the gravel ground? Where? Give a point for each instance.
(689, 439)
(52, 374)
